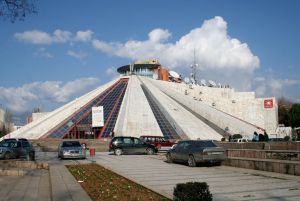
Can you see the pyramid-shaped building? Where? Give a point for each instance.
(147, 99)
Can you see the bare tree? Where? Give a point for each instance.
(17, 9)
(7, 116)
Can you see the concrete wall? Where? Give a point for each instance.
(289, 155)
(295, 146)
(242, 105)
(2, 114)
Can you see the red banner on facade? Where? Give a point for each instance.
(268, 103)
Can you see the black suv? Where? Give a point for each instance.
(130, 145)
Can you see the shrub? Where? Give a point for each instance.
(192, 191)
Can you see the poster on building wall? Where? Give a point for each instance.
(97, 116)
(268, 103)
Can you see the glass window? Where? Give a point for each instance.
(71, 144)
(16, 145)
(128, 141)
(25, 144)
(137, 141)
(205, 144)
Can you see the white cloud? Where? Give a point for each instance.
(274, 87)
(61, 36)
(43, 53)
(77, 55)
(35, 37)
(84, 36)
(23, 98)
(58, 36)
(112, 72)
(214, 48)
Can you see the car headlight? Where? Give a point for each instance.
(64, 151)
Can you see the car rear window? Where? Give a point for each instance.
(204, 144)
(152, 139)
(25, 144)
(71, 144)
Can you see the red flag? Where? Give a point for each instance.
(268, 103)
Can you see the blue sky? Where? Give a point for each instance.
(71, 47)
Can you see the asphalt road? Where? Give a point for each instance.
(225, 183)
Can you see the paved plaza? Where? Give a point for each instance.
(226, 183)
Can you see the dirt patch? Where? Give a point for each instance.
(105, 185)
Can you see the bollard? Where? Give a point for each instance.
(92, 154)
(92, 151)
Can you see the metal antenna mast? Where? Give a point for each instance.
(194, 68)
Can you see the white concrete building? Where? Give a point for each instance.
(143, 102)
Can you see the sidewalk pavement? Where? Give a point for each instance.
(55, 184)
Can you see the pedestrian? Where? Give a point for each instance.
(266, 136)
(255, 137)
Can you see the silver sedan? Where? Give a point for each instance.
(71, 149)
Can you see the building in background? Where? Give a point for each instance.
(148, 99)
(2, 117)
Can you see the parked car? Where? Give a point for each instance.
(240, 140)
(158, 141)
(193, 152)
(13, 148)
(71, 149)
(130, 145)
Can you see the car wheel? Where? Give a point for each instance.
(191, 161)
(169, 158)
(118, 152)
(7, 156)
(150, 151)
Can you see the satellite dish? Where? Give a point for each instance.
(174, 74)
(211, 83)
(203, 82)
(186, 80)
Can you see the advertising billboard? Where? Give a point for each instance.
(97, 116)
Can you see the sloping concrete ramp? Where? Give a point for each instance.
(185, 123)
(217, 117)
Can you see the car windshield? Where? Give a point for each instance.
(204, 144)
(7, 144)
(71, 144)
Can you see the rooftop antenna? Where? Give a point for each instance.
(194, 68)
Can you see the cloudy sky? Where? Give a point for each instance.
(71, 47)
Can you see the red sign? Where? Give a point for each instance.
(268, 103)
